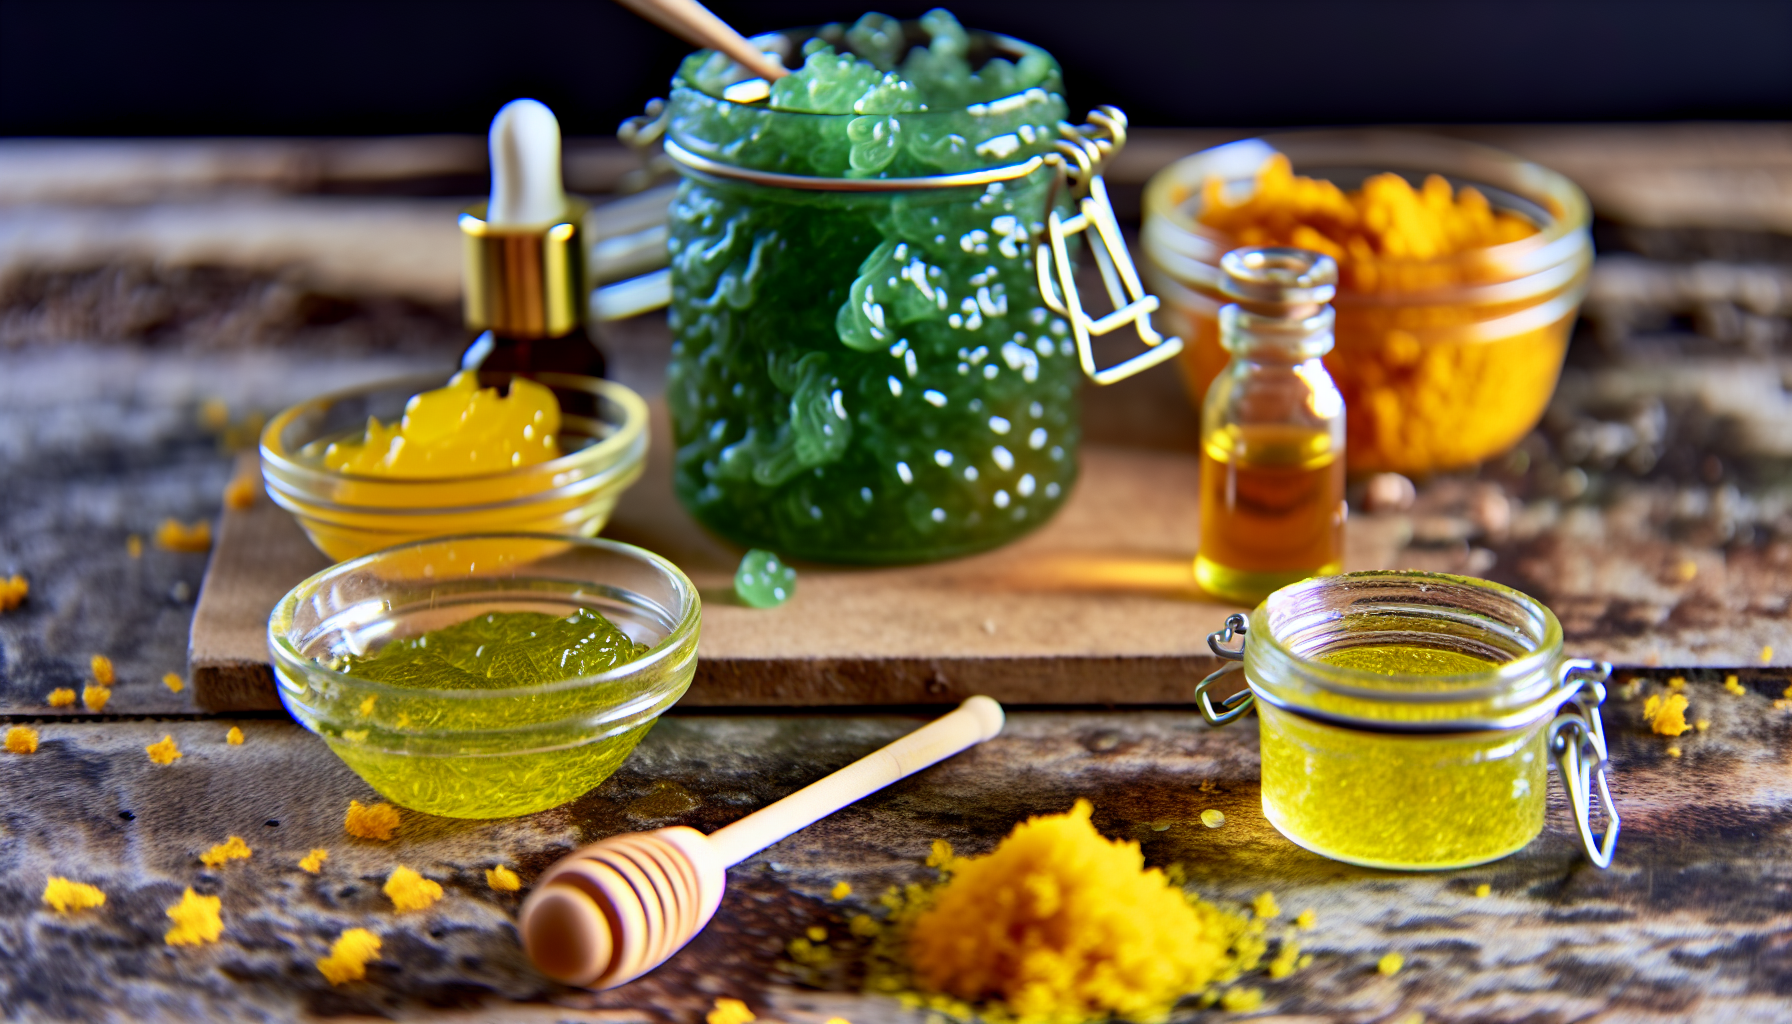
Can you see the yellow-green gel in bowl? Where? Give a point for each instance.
(490, 675)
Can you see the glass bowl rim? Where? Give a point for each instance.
(1576, 217)
(630, 431)
(287, 655)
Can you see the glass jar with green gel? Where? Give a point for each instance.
(1409, 719)
(869, 376)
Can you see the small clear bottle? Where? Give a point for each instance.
(1272, 430)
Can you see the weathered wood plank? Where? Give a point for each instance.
(1689, 924)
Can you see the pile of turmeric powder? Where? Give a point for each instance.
(1057, 925)
(1385, 221)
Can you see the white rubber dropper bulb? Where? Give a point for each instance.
(525, 147)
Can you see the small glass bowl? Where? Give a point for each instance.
(1442, 363)
(603, 431)
(488, 753)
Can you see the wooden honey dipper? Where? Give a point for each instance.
(614, 910)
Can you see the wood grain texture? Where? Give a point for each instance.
(1690, 923)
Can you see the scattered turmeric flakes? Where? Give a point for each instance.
(196, 538)
(730, 1011)
(234, 737)
(837, 1020)
(840, 891)
(1732, 684)
(502, 879)
(1702, 724)
(196, 920)
(371, 821)
(1666, 717)
(349, 955)
(1060, 923)
(65, 896)
(1676, 684)
(173, 682)
(13, 591)
(230, 849)
(1306, 919)
(1286, 958)
(816, 933)
(409, 890)
(241, 492)
(1241, 1000)
(313, 862)
(214, 414)
(21, 739)
(165, 752)
(1390, 964)
(1265, 906)
(367, 705)
(1673, 751)
(133, 545)
(94, 698)
(1766, 654)
(103, 674)
(62, 697)
(1483, 891)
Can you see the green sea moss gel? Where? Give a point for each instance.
(424, 743)
(870, 376)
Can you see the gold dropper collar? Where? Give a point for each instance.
(527, 281)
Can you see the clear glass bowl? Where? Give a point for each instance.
(603, 433)
(1442, 363)
(487, 753)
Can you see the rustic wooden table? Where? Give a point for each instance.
(1668, 548)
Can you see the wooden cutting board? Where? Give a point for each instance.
(1096, 607)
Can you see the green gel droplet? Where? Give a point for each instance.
(763, 580)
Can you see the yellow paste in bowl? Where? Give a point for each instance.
(458, 430)
(1405, 801)
(548, 761)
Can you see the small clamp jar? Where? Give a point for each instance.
(1440, 766)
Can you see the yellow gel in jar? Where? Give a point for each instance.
(458, 430)
(1406, 717)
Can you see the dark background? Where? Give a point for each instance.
(335, 67)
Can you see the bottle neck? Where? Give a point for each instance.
(1257, 337)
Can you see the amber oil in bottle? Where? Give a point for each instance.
(1272, 431)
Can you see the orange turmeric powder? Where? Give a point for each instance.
(1060, 924)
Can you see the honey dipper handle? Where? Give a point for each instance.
(974, 721)
(695, 24)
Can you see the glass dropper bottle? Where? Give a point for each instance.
(1272, 430)
(524, 262)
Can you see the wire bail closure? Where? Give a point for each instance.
(1241, 702)
(1088, 147)
(1577, 742)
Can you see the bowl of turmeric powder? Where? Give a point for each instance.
(1461, 271)
(410, 459)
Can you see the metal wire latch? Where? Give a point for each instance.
(1239, 703)
(1577, 742)
(1085, 148)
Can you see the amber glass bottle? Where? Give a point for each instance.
(1272, 431)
